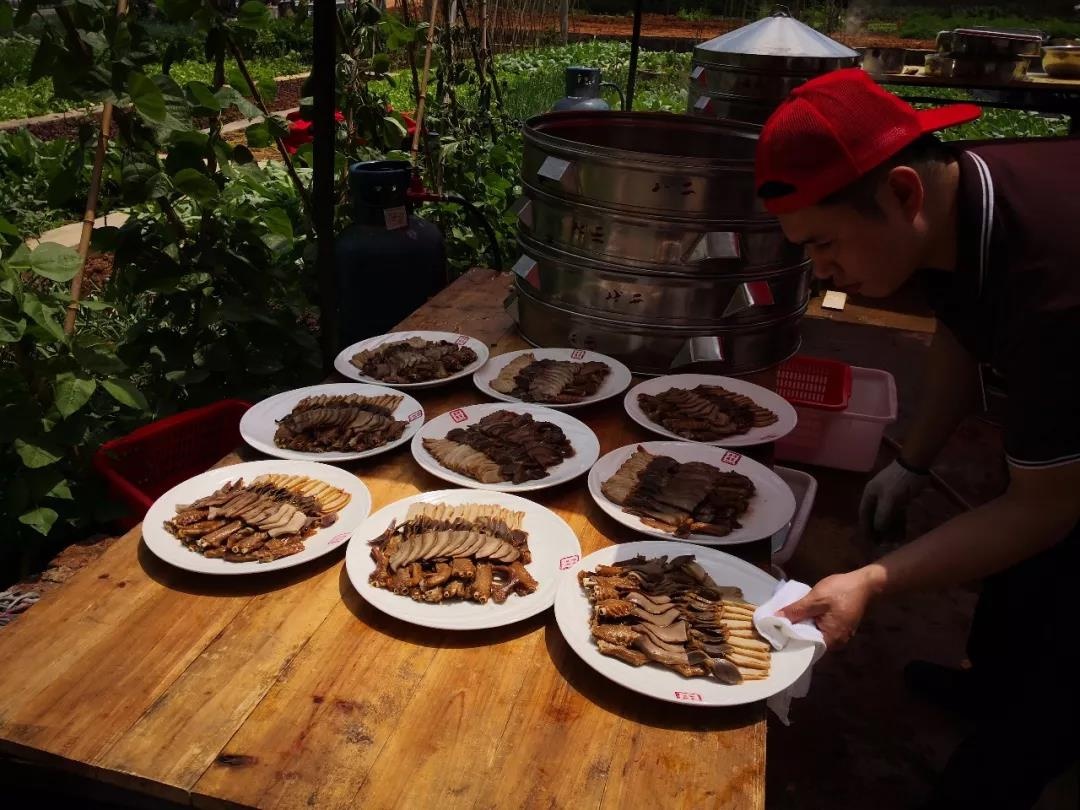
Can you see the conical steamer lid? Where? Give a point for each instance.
(779, 43)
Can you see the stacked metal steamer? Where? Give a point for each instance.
(642, 238)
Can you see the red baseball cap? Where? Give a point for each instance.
(832, 130)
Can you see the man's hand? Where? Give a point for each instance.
(836, 604)
(886, 497)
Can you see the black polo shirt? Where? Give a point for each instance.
(1014, 300)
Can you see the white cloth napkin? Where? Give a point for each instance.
(780, 632)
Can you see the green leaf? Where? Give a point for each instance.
(258, 135)
(147, 97)
(98, 360)
(202, 98)
(126, 393)
(40, 520)
(196, 185)
(242, 155)
(19, 260)
(7, 17)
(94, 305)
(252, 14)
(70, 393)
(267, 89)
(55, 262)
(192, 376)
(229, 96)
(278, 222)
(11, 331)
(45, 316)
(33, 456)
(62, 490)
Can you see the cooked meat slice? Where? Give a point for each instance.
(505, 380)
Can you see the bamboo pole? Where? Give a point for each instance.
(90, 212)
(421, 103)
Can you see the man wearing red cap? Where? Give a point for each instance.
(854, 174)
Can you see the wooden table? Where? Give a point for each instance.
(287, 690)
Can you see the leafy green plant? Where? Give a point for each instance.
(209, 295)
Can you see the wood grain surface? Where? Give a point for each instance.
(287, 690)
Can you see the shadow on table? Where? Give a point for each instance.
(252, 584)
(640, 708)
(431, 637)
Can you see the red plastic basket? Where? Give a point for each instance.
(151, 460)
(813, 382)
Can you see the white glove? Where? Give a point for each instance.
(887, 496)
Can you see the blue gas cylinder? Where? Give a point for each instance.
(582, 90)
(389, 261)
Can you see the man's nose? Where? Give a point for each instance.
(823, 269)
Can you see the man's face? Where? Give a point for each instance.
(863, 252)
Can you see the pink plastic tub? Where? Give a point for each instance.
(847, 439)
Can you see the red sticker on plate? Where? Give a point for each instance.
(577, 354)
(337, 538)
(458, 415)
(462, 340)
(689, 697)
(414, 416)
(731, 458)
(568, 562)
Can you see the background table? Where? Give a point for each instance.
(287, 690)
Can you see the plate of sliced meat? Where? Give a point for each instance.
(555, 378)
(461, 559)
(674, 621)
(694, 492)
(710, 409)
(258, 516)
(508, 448)
(418, 359)
(334, 422)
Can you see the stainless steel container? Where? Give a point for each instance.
(655, 243)
(609, 291)
(642, 237)
(656, 349)
(670, 165)
(744, 74)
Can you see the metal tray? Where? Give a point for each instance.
(655, 349)
(652, 243)
(672, 165)
(610, 291)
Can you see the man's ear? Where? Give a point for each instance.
(905, 188)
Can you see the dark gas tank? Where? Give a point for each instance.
(389, 261)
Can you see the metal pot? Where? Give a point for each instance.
(671, 165)
(651, 243)
(609, 291)
(1061, 61)
(656, 349)
(746, 73)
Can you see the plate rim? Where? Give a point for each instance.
(614, 511)
(570, 594)
(348, 370)
(244, 469)
(443, 473)
(633, 410)
(358, 579)
(335, 456)
(616, 366)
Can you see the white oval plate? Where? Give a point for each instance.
(553, 544)
(172, 551)
(347, 369)
(572, 613)
(771, 508)
(785, 412)
(259, 423)
(586, 445)
(614, 384)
